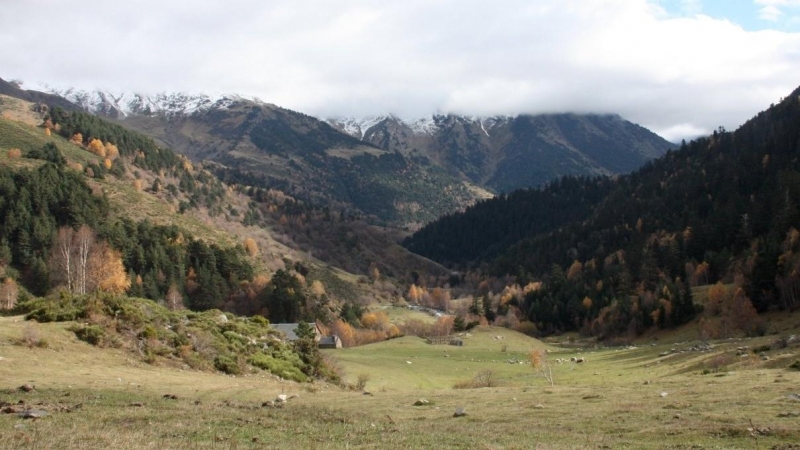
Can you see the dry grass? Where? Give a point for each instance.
(19, 111)
(613, 400)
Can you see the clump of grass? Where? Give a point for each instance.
(361, 381)
(32, 338)
(719, 363)
(484, 378)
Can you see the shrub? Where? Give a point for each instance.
(236, 339)
(65, 308)
(92, 334)
(279, 367)
(719, 363)
(484, 378)
(227, 364)
(762, 348)
(259, 320)
(149, 332)
(361, 381)
(31, 338)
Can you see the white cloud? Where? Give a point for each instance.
(415, 57)
(691, 7)
(770, 13)
(774, 10)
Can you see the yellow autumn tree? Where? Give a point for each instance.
(14, 153)
(317, 289)
(251, 247)
(575, 270)
(77, 139)
(112, 152)
(377, 320)
(107, 163)
(96, 146)
(47, 132)
(345, 332)
(540, 365)
(415, 293)
(107, 270)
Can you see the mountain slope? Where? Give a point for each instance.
(453, 156)
(7, 88)
(275, 148)
(173, 196)
(722, 208)
(506, 153)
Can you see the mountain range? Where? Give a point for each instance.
(400, 172)
(510, 152)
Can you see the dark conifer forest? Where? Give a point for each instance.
(617, 255)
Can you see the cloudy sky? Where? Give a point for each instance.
(678, 67)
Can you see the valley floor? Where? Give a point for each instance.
(654, 395)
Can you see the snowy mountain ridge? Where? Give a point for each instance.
(119, 105)
(359, 127)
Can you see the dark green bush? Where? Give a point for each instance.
(279, 367)
(92, 334)
(149, 332)
(227, 364)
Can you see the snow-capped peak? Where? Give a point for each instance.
(122, 104)
(425, 125)
(357, 127)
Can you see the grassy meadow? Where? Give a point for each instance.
(656, 394)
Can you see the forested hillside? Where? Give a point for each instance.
(722, 208)
(61, 231)
(89, 205)
(56, 231)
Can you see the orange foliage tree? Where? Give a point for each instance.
(727, 310)
(107, 272)
(112, 151)
(96, 146)
(251, 247)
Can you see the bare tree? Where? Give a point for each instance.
(8, 293)
(541, 366)
(84, 240)
(62, 258)
(174, 298)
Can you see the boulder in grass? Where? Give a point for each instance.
(460, 412)
(32, 414)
